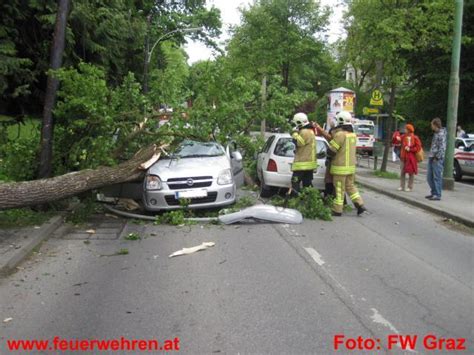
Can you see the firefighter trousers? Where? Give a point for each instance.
(343, 184)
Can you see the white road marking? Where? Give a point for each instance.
(378, 318)
(315, 255)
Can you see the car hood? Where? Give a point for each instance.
(189, 167)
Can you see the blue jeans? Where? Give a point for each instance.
(435, 176)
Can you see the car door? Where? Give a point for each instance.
(262, 157)
(321, 154)
(236, 163)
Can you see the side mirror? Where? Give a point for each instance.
(237, 156)
(321, 155)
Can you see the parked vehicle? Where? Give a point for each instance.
(364, 130)
(204, 173)
(275, 159)
(464, 142)
(463, 157)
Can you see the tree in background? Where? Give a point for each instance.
(278, 44)
(168, 84)
(110, 34)
(382, 37)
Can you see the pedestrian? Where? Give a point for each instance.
(342, 147)
(460, 133)
(410, 145)
(304, 162)
(396, 145)
(436, 160)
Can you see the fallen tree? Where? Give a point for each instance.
(37, 192)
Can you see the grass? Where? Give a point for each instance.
(22, 217)
(386, 175)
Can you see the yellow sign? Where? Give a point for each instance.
(369, 110)
(377, 98)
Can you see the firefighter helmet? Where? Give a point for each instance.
(300, 120)
(343, 117)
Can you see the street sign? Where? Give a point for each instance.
(377, 98)
(370, 110)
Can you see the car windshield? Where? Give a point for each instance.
(193, 149)
(364, 129)
(286, 148)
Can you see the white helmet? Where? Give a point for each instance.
(300, 120)
(343, 117)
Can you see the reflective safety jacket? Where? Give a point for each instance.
(344, 145)
(305, 155)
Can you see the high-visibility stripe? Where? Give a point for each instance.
(348, 150)
(334, 144)
(342, 170)
(304, 165)
(339, 200)
(299, 139)
(355, 196)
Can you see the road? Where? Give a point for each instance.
(263, 288)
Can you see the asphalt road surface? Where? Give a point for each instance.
(263, 288)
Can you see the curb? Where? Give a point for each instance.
(442, 213)
(46, 229)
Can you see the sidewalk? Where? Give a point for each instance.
(17, 243)
(457, 205)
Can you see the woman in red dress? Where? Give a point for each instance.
(411, 144)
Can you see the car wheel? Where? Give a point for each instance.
(266, 191)
(457, 173)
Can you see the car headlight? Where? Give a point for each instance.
(153, 182)
(225, 177)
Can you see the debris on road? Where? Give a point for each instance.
(90, 231)
(186, 251)
(133, 236)
(6, 320)
(264, 213)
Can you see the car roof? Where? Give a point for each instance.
(287, 135)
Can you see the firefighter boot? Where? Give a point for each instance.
(360, 209)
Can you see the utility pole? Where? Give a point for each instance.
(453, 97)
(52, 84)
(264, 99)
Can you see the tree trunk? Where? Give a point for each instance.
(388, 129)
(57, 49)
(29, 193)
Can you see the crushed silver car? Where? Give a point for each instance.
(203, 173)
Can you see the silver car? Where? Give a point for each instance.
(203, 173)
(275, 160)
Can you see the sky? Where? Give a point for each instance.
(230, 15)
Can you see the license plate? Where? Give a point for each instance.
(191, 193)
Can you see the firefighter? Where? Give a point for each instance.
(333, 128)
(305, 155)
(343, 165)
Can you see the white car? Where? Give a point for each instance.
(464, 142)
(463, 157)
(275, 159)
